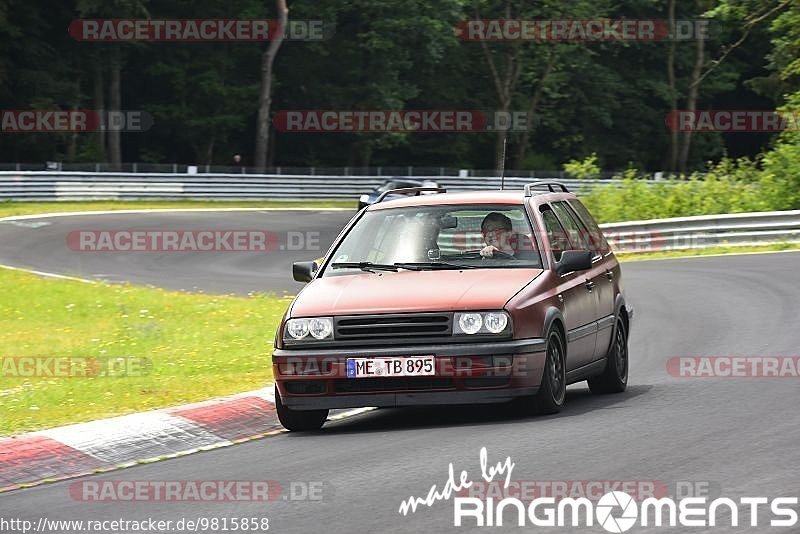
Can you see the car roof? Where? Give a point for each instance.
(472, 197)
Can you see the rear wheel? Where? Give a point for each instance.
(615, 376)
(299, 420)
(553, 389)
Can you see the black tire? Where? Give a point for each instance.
(614, 378)
(553, 390)
(299, 420)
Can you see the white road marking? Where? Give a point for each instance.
(26, 224)
(709, 255)
(158, 210)
(49, 275)
(351, 413)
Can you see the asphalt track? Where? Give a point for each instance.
(738, 436)
(41, 244)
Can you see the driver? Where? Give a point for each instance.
(497, 230)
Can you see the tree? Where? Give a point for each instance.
(114, 59)
(265, 99)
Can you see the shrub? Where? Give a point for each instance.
(583, 169)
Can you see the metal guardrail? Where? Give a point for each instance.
(737, 229)
(408, 171)
(43, 185)
(631, 236)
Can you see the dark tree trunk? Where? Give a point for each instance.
(265, 99)
(100, 107)
(691, 101)
(115, 104)
(533, 106)
(673, 92)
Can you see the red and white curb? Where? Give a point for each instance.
(107, 444)
(119, 442)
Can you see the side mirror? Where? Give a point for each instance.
(303, 271)
(574, 260)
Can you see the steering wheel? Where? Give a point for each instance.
(502, 255)
(477, 254)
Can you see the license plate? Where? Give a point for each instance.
(381, 367)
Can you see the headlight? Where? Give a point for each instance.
(308, 330)
(470, 323)
(494, 322)
(297, 328)
(320, 327)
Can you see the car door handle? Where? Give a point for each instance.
(610, 275)
(590, 285)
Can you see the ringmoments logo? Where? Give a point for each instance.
(615, 511)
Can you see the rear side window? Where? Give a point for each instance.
(576, 234)
(555, 233)
(595, 235)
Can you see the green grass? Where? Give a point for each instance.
(9, 208)
(665, 254)
(200, 346)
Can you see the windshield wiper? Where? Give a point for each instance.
(367, 266)
(441, 265)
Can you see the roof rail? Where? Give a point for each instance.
(408, 191)
(544, 183)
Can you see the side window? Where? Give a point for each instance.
(577, 235)
(595, 236)
(555, 233)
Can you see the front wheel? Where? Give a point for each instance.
(299, 420)
(615, 376)
(553, 390)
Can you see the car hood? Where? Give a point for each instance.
(411, 291)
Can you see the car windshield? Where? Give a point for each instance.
(437, 237)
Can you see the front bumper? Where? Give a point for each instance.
(465, 373)
(393, 400)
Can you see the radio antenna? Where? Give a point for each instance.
(503, 164)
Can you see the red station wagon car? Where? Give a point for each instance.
(455, 298)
